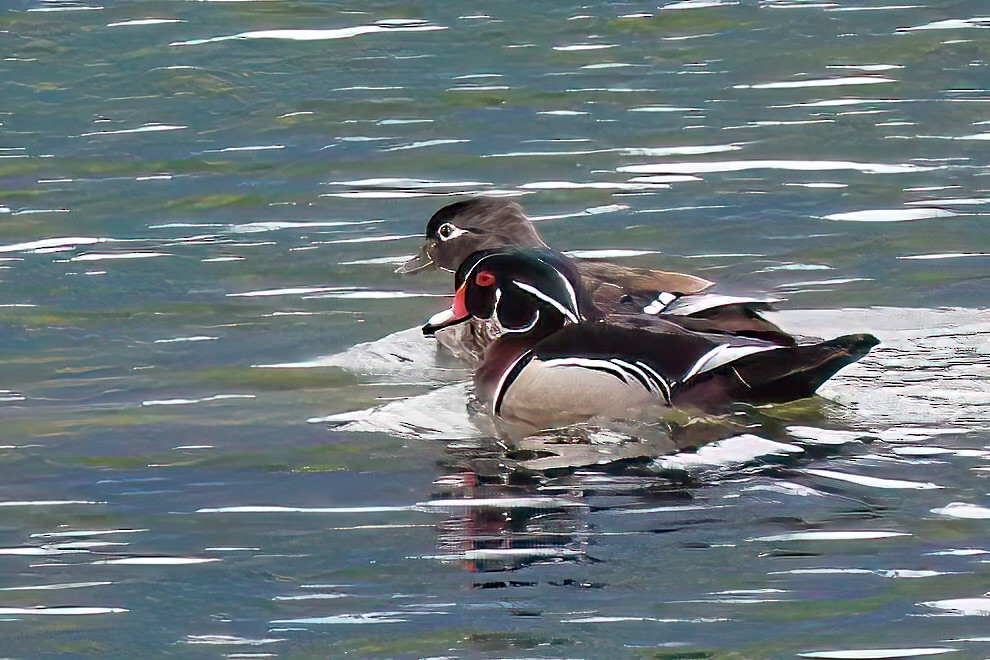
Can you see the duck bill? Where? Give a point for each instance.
(456, 314)
(419, 263)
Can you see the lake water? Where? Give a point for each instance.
(222, 436)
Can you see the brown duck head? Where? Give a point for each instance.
(463, 228)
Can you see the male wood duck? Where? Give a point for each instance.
(463, 228)
(558, 359)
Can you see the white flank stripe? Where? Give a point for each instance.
(721, 355)
(588, 363)
(660, 379)
(689, 305)
(570, 291)
(655, 385)
(502, 384)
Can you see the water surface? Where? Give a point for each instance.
(222, 436)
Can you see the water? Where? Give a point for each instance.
(201, 204)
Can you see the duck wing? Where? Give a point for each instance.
(696, 369)
(680, 298)
(624, 279)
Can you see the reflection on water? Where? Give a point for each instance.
(222, 431)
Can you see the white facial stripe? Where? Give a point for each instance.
(568, 314)
(470, 273)
(570, 291)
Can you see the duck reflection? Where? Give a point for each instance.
(509, 503)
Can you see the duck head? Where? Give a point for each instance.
(525, 292)
(458, 230)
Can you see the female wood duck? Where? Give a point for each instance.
(559, 360)
(463, 228)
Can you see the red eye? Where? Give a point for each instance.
(484, 278)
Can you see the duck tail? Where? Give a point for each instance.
(796, 372)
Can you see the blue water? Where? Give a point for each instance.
(220, 431)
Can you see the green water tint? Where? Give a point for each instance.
(86, 370)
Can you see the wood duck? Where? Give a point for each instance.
(558, 359)
(458, 230)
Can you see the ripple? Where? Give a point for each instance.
(662, 108)
(185, 402)
(961, 606)
(794, 165)
(609, 253)
(292, 509)
(147, 128)
(891, 215)
(870, 654)
(979, 22)
(225, 640)
(825, 535)
(313, 35)
(426, 143)
(438, 415)
(46, 502)
(822, 82)
(57, 587)
(625, 619)
(145, 21)
(963, 510)
(541, 503)
(578, 47)
(105, 256)
(405, 352)
(872, 482)
(85, 533)
(156, 561)
(66, 243)
(289, 291)
(367, 294)
(41, 610)
(737, 450)
(946, 255)
(177, 340)
(503, 554)
(572, 185)
(357, 618)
